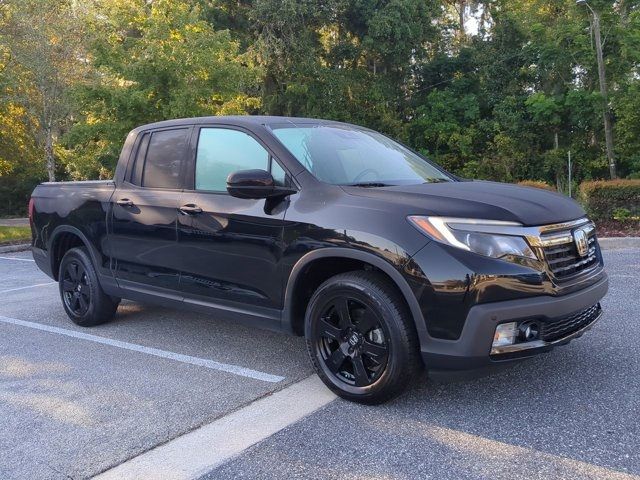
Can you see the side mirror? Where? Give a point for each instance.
(255, 184)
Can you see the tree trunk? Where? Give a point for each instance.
(608, 139)
(48, 152)
(623, 8)
(462, 5)
(606, 112)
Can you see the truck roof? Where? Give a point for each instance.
(237, 120)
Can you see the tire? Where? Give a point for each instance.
(82, 296)
(370, 353)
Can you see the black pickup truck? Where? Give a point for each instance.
(382, 260)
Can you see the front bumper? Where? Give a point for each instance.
(517, 350)
(472, 349)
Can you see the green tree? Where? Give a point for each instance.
(45, 45)
(154, 61)
(505, 103)
(345, 60)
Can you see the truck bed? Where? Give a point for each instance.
(82, 206)
(80, 184)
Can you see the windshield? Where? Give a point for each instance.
(343, 155)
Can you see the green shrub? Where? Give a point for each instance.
(14, 234)
(537, 184)
(625, 215)
(606, 200)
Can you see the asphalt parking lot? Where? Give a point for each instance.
(77, 402)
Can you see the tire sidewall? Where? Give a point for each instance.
(80, 255)
(397, 357)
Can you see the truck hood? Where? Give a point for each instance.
(478, 199)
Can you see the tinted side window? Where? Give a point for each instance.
(164, 158)
(222, 151)
(136, 174)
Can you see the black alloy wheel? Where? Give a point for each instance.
(352, 341)
(361, 338)
(76, 288)
(82, 296)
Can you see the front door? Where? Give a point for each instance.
(143, 238)
(230, 248)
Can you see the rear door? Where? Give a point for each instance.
(230, 248)
(143, 239)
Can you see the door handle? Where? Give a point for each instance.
(190, 209)
(125, 202)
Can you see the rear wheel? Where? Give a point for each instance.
(82, 296)
(360, 337)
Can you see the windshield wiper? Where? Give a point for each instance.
(369, 184)
(437, 180)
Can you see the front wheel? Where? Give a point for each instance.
(82, 296)
(361, 338)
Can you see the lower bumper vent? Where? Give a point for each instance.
(563, 326)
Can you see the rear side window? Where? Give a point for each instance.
(222, 151)
(163, 159)
(136, 175)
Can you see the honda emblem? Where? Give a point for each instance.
(581, 241)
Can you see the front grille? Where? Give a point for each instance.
(564, 261)
(561, 327)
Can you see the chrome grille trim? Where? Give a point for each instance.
(563, 226)
(563, 259)
(564, 237)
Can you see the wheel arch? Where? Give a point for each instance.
(291, 318)
(64, 238)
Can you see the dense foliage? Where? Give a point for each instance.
(497, 89)
(619, 199)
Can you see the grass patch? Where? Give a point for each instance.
(14, 234)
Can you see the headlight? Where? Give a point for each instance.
(471, 235)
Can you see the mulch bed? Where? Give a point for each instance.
(612, 228)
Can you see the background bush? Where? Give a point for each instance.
(611, 200)
(537, 184)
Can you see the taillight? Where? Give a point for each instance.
(31, 210)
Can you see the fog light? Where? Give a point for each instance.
(506, 334)
(528, 331)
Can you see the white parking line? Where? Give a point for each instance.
(198, 452)
(28, 286)
(200, 362)
(18, 259)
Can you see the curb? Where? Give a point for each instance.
(21, 247)
(14, 222)
(619, 243)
